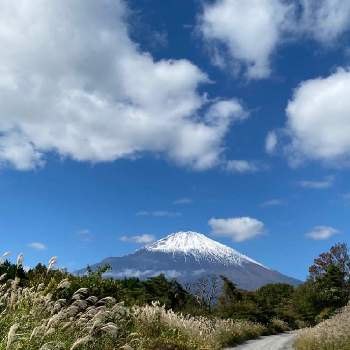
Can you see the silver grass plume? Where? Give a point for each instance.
(52, 262)
(11, 337)
(20, 259)
(81, 341)
(4, 256)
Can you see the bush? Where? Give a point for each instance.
(278, 326)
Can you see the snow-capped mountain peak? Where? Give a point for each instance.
(188, 257)
(200, 247)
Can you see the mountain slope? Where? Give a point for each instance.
(188, 256)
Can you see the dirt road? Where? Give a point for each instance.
(273, 342)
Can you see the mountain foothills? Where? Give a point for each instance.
(47, 308)
(191, 256)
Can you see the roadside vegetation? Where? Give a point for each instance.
(324, 294)
(331, 334)
(51, 309)
(46, 308)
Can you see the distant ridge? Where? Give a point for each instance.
(188, 256)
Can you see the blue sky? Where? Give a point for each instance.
(126, 121)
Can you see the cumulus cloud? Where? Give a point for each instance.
(325, 20)
(239, 229)
(103, 98)
(319, 119)
(37, 246)
(248, 29)
(247, 32)
(318, 184)
(141, 239)
(322, 232)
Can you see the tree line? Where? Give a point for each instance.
(278, 306)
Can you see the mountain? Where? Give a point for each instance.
(189, 256)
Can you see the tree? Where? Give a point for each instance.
(275, 301)
(333, 291)
(327, 287)
(338, 256)
(229, 294)
(168, 292)
(205, 290)
(331, 274)
(12, 271)
(304, 301)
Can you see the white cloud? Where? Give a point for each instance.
(318, 184)
(249, 30)
(85, 235)
(143, 273)
(142, 239)
(159, 213)
(243, 166)
(102, 99)
(325, 20)
(346, 196)
(272, 203)
(239, 229)
(37, 246)
(319, 119)
(271, 142)
(184, 200)
(322, 232)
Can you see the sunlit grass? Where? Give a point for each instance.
(32, 318)
(332, 334)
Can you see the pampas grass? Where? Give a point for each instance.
(11, 337)
(31, 318)
(332, 334)
(20, 259)
(52, 263)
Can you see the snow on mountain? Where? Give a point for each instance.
(189, 256)
(200, 247)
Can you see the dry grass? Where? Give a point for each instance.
(332, 334)
(30, 318)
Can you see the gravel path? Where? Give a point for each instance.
(274, 342)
